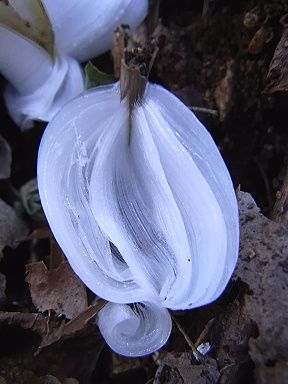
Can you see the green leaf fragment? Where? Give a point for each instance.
(94, 77)
(12, 228)
(31, 200)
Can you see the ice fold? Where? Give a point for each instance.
(147, 219)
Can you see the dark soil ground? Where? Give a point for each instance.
(228, 61)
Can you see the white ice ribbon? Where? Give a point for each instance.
(85, 28)
(152, 219)
(41, 82)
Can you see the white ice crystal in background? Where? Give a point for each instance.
(145, 213)
(44, 76)
(84, 29)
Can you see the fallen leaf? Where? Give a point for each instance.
(5, 159)
(70, 380)
(69, 360)
(231, 333)
(223, 92)
(230, 374)
(260, 39)
(31, 201)
(71, 328)
(57, 289)
(40, 233)
(48, 379)
(94, 77)
(277, 78)
(12, 228)
(2, 288)
(179, 368)
(35, 322)
(266, 276)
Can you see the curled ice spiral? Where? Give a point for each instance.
(145, 212)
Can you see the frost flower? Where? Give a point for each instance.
(143, 208)
(44, 74)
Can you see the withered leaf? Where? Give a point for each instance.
(178, 368)
(71, 328)
(2, 287)
(35, 322)
(261, 37)
(12, 228)
(40, 233)
(5, 159)
(49, 379)
(277, 78)
(224, 90)
(263, 267)
(57, 289)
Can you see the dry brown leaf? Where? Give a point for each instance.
(178, 368)
(253, 325)
(277, 77)
(70, 380)
(2, 288)
(223, 91)
(35, 322)
(12, 228)
(260, 39)
(49, 379)
(40, 233)
(263, 266)
(57, 289)
(69, 360)
(5, 159)
(71, 328)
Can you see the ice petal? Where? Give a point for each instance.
(133, 204)
(65, 164)
(25, 64)
(64, 82)
(197, 141)
(84, 29)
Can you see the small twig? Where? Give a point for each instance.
(120, 37)
(206, 10)
(205, 333)
(153, 16)
(48, 322)
(265, 180)
(204, 110)
(198, 356)
(136, 65)
(132, 87)
(150, 380)
(280, 208)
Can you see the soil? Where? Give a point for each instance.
(227, 60)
